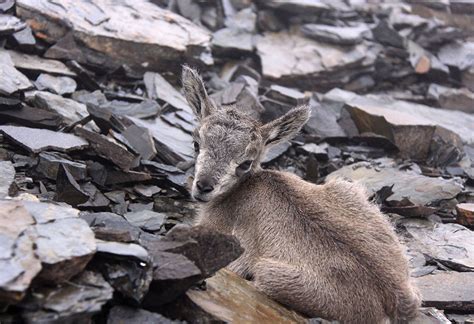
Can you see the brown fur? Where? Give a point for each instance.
(323, 250)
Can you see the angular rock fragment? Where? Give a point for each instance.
(25, 39)
(229, 298)
(122, 33)
(172, 144)
(67, 189)
(112, 227)
(465, 214)
(70, 110)
(146, 219)
(228, 41)
(11, 80)
(336, 35)
(410, 189)
(10, 24)
(141, 140)
(124, 250)
(451, 245)
(38, 140)
(303, 6)
(33, 63)
(144, 109)
(387, 35)
(158, 88)
(451, 291)
(293, 60)
(108, 149)
(6, 5)
(286, 95)
(64, 247)
(7, 177)
(49, 163)
(97, 200)
(77, 300)
(458, 55)
(57, 85)
(32, 117)
(125, 314)
(449, 98)
(18, 261)
(115, 177)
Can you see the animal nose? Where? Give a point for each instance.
(205, 185)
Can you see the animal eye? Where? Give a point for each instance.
(244, 166)
(196, 147)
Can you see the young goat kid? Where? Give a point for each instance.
(323, 250)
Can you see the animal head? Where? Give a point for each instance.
(228, 143)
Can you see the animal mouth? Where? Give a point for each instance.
(201, 199)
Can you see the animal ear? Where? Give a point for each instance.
(196, 94)
(285, 127)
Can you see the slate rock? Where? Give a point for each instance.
(452, 245)
(229, 298)
(19, 263)
(146, 219)
(287, 95)
(124, 315)
(75, 301)
(303, 6)
(25, 39)
(232, 42)
(67, 189)
(112, 227)
(458, 55)
(465, 214)
(33, 63)
(143, 109)
(11, 80)
(57, 85)
(97, 200)
(450, 98)
(38, 140)
(289, 59)
(7, 178)
(70, 110)
(32, 117)
(126, 266)
(336, 35)
(451, 291)
(49, 163)
(122, 32)
(385, 34)
(108, 149)
(172, 144)
(158, 88)
(10, 24)
(141, 140)
(418, 189)
(64, 247)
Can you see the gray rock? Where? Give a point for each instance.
(124, 250)
(108, 149)
(10, 24)
(292, 60)
(38, 140)
(450, 98)
(418, 189)
(458, 55)
(387, 35)
(146, 219)
(451, 291)
(33, 63)
(158, 88)
(144, 109)
(7, 178)
(449, 244)
(172, 144)
(121, 31)
(57, 85)
(112, 227)
(287, 95)
(124, 314)
(73, 301)
(229, 41)
(67, 189)
(304, 6)
(25, 39)
(141, 140)
(71, 110)
(336, 35)
(12, 80)
(49, 162)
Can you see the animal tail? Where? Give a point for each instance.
(408, 304)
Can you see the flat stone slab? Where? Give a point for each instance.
(35, 63)
(451, 291)
(125, 32)
(419, 189)
(231, 299)
(449, 244)
(7, 177)
(11, 79)
(37, 140)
